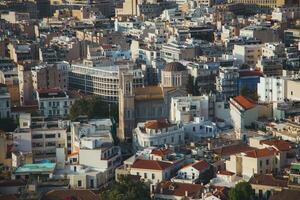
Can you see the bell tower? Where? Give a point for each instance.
(126, 104)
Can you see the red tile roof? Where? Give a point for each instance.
(151, 164)
(179, 189)
(161, 152)
(200, 165)
(259, 153)
(268, 180)
(244, 102)
(232, 149)
(226, 173)
(70, 194)
(280, 145)
(157, 124)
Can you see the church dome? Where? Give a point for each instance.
(174, 67)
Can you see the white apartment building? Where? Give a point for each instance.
(184, 109)
(271, 50)
(227, 81)
(4, 102)
(283, 14)
(248, 54)
(101, 155)
(101, 77)
(271, 89)
(40, 137)
(54, 102)
(175, 51)
(99, 128)
(157, 133)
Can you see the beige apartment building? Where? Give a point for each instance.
(50, 76)
(257, 161)
(262, 3)
(292, 89)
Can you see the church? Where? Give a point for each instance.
(148, 103)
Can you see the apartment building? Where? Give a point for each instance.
(204, 76)
(264, 34)
(175, 51)
(270, 66)
(5, 105)
(101, 77)
(106, 156)
(227, 81)
(184, 109)
(257, 161)
(271, 89)
(292, 88)
(261, 3)
(54, 102)
(41, 137)
(247, 54)
(47, 76)
(272, 50)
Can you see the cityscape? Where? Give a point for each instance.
(149, 99)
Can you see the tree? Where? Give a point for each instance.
(242, 190)
(246, 92)
(7, 124)
(207, 175)
(93, 107)
(190, 86)
(127, 189)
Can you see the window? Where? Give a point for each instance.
(49, 103)
(145, 175)
(38, 136)
(267, 162)
(194, 129)
(79, 183)
(153, 176)
(50, 136)
(137, 173)
(172, 139)
(260, 163)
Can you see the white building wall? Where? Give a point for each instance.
(271, 89)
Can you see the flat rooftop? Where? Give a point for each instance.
(40, 167)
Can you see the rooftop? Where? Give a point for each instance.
(268, 180)
(199, 165)
(51, 93)
(244, 102)
(281, 145)
(179, 189)
(157, 124)
(258, 153)
(151, 164)
(40, 167)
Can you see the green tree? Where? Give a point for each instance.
(207, 175)
(246, 92)
(242, 191)
(7, 124)
(93, 107)
(190, 86)
(127, 189)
